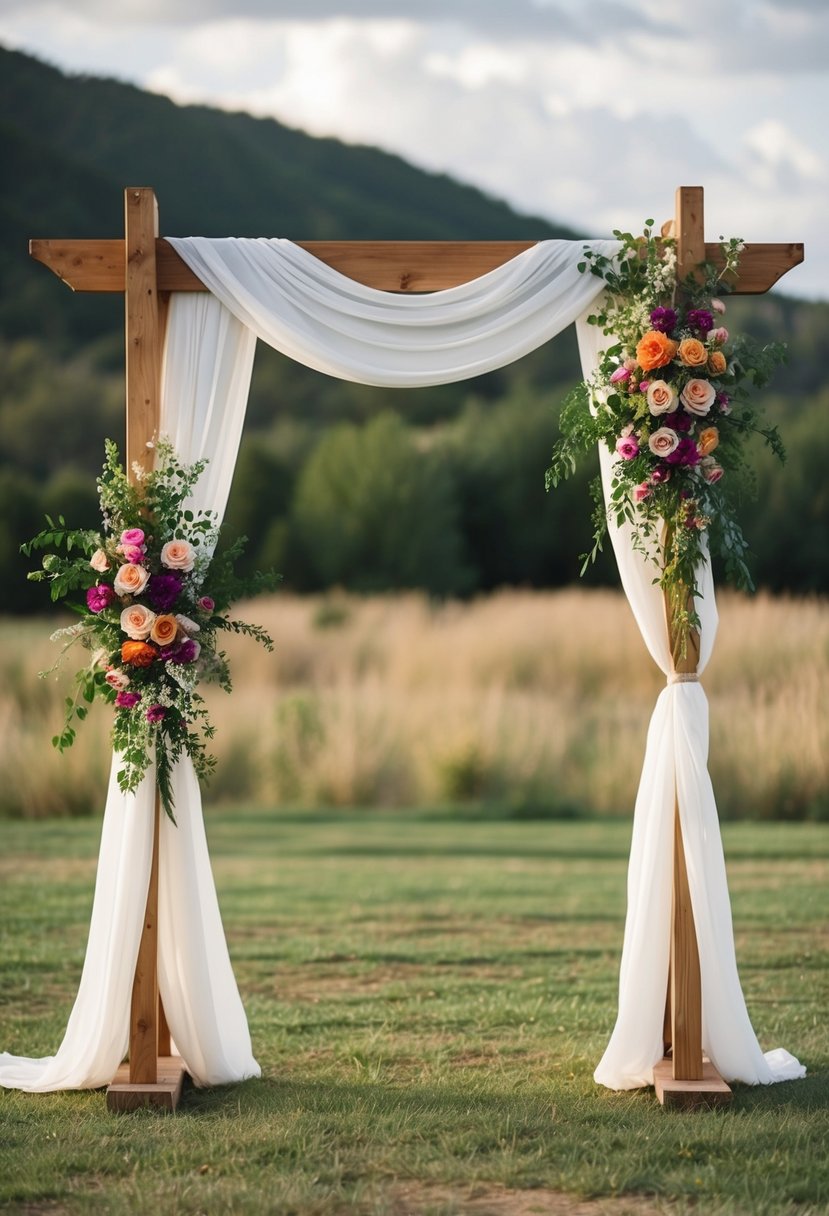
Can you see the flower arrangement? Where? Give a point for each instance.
(671, 401)
(155, 596)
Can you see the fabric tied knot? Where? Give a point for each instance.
(683, 677)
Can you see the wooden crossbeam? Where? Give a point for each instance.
(400, 266)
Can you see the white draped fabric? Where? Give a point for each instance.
(276, 291)
(205, 380)
(676, 763)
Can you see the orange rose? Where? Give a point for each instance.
(708, 440)
(165, 630)
(692, 352)
(655, 349)
(130, 579)
(139, 654)
(716, 363)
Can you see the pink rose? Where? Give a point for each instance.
(663, 442)
(132, 536)
(717, 306)
(718, 336)
(178, 555)
(137, 621)
(99, 561)
(133, 553)
(711, 471)
(130, 579)
(621, 373)
(641, 492)
(627, 446)
(661, 397)
(207, 604)
(117, 679)
(698, 397)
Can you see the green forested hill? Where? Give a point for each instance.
(468, 460)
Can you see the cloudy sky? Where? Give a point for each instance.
(586, 111)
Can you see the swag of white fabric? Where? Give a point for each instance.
(276, 291)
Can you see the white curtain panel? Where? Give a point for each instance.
(205, 380)
(675, 767)
(276, 291)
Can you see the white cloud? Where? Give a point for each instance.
(587, 111)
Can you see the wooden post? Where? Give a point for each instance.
(147, 1079)
(687, 1079)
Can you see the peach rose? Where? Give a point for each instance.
(178, 555)
(692, 352)
(663, 441)
(165, 630)
(708, 440)
(99, 561)
(137, 621)
(655, 349)
(139, 654)
(698, 397)
(661, 397)
(130, 579)
(716, 363)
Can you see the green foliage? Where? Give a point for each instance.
(373, 512)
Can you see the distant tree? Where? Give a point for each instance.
(372, 512)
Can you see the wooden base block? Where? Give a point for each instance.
(689, 1095)
(124, 1095)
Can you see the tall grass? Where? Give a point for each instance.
(536, 703)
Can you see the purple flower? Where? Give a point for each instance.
(678, 421)
(186, 652)
(664, 319)
(660, 474)
(723, 403)
(684, 453)
(700, 319)
(163, 590)
(99, 597)
(126, 700)
(156, 713)
(628, 447)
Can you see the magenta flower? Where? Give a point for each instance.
(206, 604)
(663, 319)
(163, 590)
(700, 319)
(621, 373)
(660, 475)
(127, 700)
(99, 597)
(684, 453)
(156, 713)
(186, 652)
(134, 554)
(641, 492)
(627, 447)
(132, 536)
(678, 421)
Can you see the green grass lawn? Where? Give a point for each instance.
(428, 998)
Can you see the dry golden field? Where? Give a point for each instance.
(536, 703)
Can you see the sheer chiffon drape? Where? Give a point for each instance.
(675, 765)
(206, 374)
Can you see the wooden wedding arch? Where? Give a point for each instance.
(146, 269)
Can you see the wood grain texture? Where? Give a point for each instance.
(144, 1005)
(690, 230)
(124, 1095)
(143, 352)
(98, 265)
(710, 1090)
